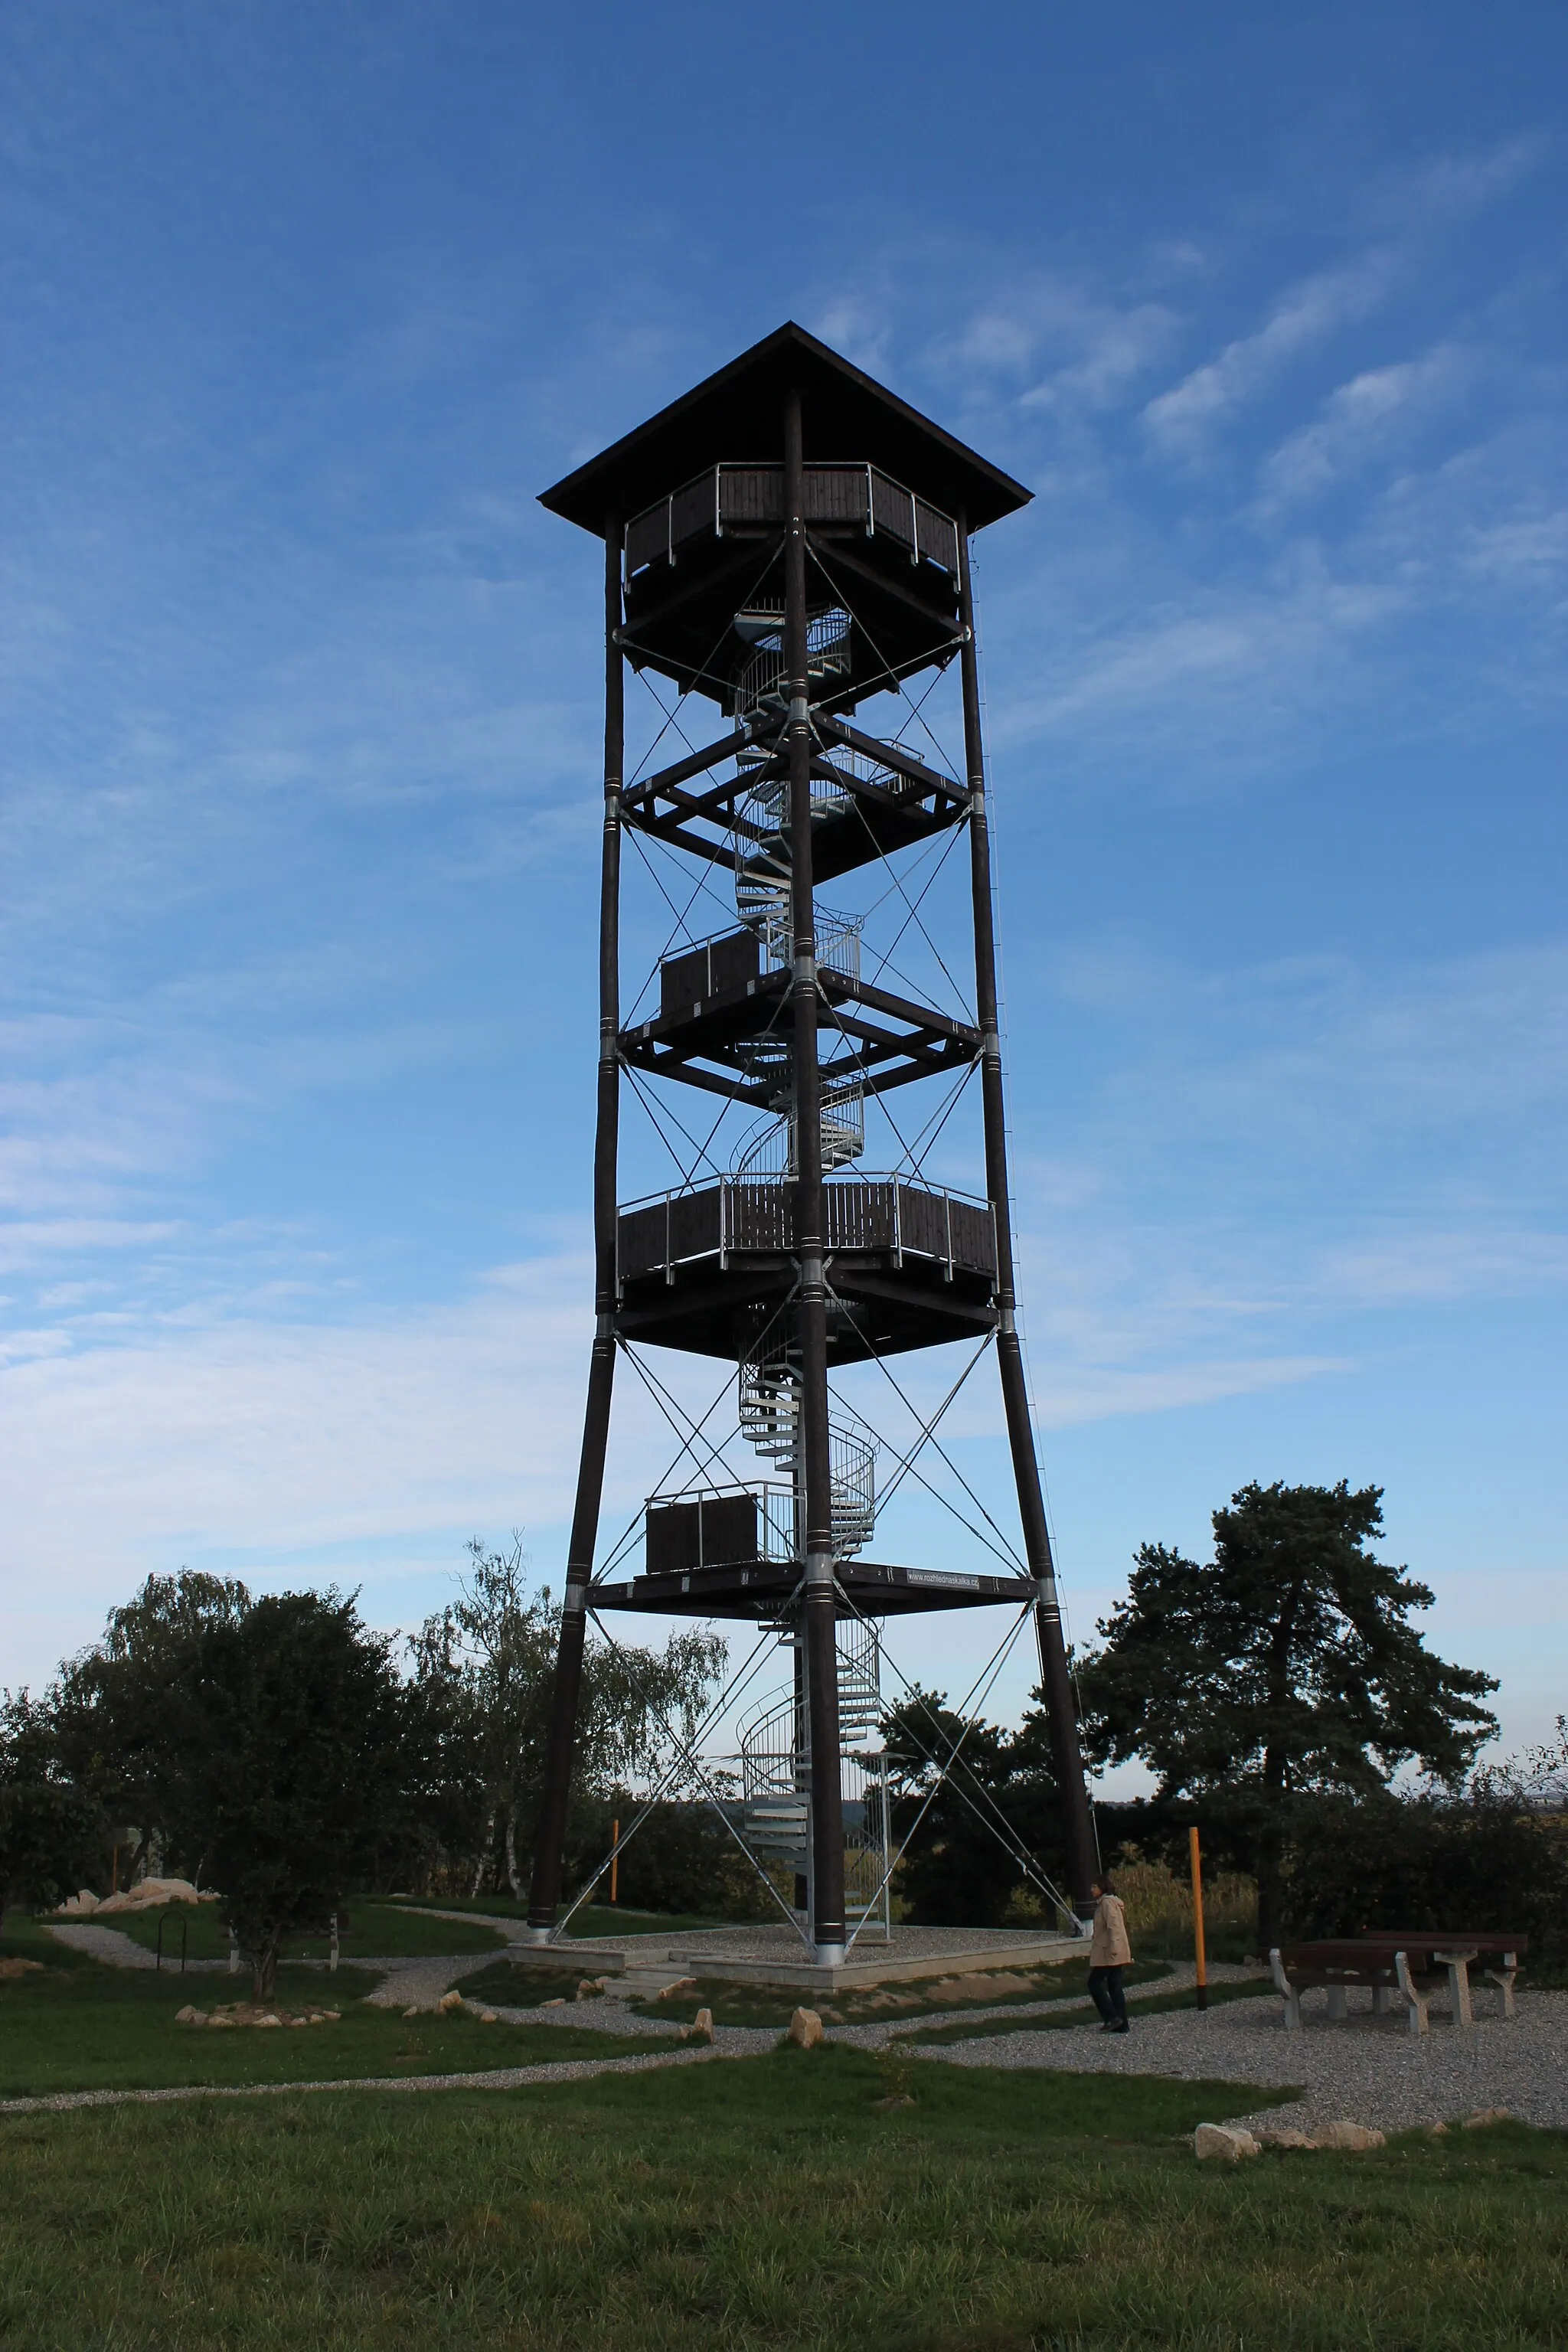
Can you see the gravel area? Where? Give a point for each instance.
(1367, 2070)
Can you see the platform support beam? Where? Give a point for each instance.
(545, 1894)
(811, 1305)
(1061, 1714)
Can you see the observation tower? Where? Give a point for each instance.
(786, 541)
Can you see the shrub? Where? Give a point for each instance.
(1485, 1861)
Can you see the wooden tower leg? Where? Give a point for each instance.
(545, 1895)
(1061, 1715)
(821, 1650)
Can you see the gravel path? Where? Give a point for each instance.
(1367, 2070)
(496, 2078)
(406, 1983)
(114, 1947)
(612, 2016)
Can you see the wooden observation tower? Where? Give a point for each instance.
(789, 541)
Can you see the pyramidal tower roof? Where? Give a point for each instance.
(736, 416)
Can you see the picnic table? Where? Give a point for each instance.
(1402, 1963)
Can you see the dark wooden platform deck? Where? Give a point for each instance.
(908, 1266)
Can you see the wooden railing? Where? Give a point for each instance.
(744, 1217)
(751, 497)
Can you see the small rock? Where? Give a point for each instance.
(1282, 2136)
(681, 1985)
(806, 2028)
(187, 2016)
(1484, 2116)
(1436, 2131)
(894, 2099)
(315, 2018)
(488, 2017)
(559, 2003)
(333, 2016)
(1221, 2143)
(703, 2025)
(448, 2003)
(1351, 2138)
(589, 1989)
(411, 2012)
(268, 2020)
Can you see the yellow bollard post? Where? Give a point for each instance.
(1198, 1917)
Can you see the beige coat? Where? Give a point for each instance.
(1110, 1948)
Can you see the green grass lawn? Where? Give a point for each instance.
(765, 2203)
(594, 1919)
(739, 2004)
(377, 1930)
(522, 1985)
(79, 2026)
(1085, 2020)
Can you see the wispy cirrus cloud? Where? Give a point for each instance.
(1313, 311)
(1363, 416)
(1179, 421)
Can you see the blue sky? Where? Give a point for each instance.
(304, 306)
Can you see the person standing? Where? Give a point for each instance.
(1109, 1953)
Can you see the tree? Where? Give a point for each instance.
(51, 1833)
(125, 1710)
(487, 1663)
(295, 1755)
(1287, 1664)
(998, 1799)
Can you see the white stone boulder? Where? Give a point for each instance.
(806, 2028)
(1223, 2144)
(1351, 2138)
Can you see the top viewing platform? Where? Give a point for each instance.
(696, 497)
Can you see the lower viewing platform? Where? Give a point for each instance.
(761, 1590)
(908, 1265)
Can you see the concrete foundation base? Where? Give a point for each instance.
(773, 1956)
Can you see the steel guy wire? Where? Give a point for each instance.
(695, 1766)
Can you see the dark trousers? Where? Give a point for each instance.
(1105, 1991)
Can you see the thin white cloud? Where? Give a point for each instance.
(1358, 419)
(1181, 420)
(1317, 308)
(255, 1436)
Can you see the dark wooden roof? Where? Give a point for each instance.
(737, 417)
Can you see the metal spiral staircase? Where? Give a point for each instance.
(771, 1400)
(776, 1772)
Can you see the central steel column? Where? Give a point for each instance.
(1061, 1715)
(821, 1648)
(545, 1894)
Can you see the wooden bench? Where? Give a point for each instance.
(1402, 1962)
